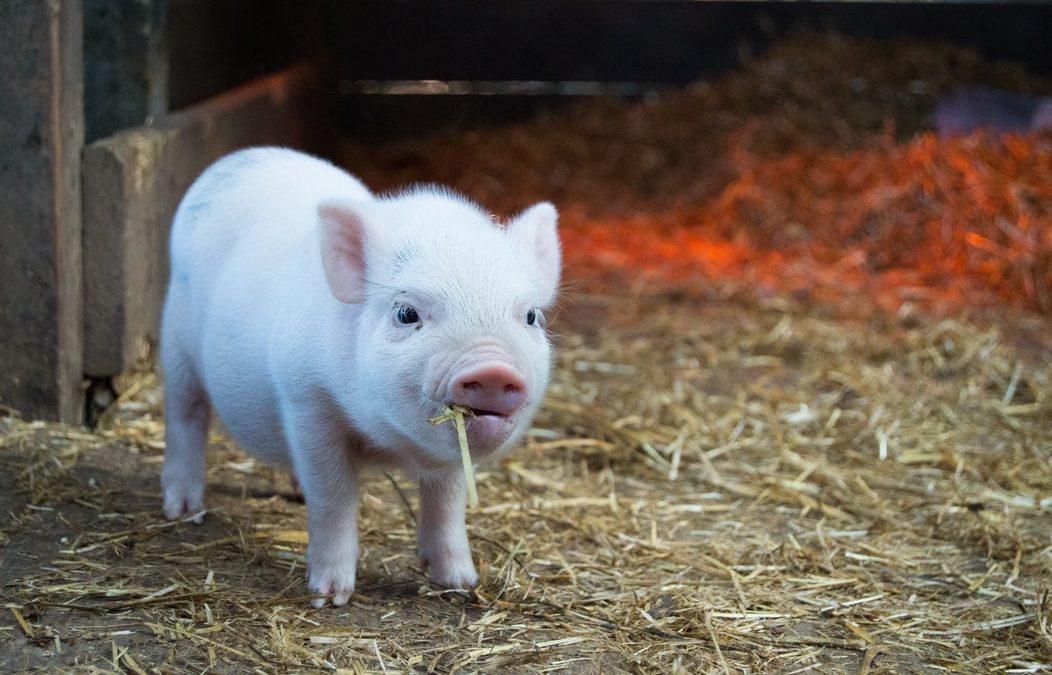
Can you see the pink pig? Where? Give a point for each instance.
(326, 326)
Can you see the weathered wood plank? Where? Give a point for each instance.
(380, 118)
(125, 64)
(134, 180)
(41, 136)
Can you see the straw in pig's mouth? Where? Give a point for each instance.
(456, 413)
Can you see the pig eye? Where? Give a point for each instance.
(535, 317)
(407, 315)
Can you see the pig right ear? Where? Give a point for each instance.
(535, 230)
(343, 249)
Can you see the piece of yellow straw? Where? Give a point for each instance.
(456, 413)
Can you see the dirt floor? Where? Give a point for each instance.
(785, 464)
(713, 486)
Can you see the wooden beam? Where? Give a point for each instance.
(134, 180)
(41, 137)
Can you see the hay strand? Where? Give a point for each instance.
(456, 413)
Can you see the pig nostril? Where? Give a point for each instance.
(491, 388)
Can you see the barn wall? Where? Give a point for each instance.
(625, 44)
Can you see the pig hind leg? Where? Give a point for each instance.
(187, 417)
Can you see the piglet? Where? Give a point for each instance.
(326, 325)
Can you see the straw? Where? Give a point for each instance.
(456, 413)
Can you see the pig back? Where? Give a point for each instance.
(268, 196)
(244, 249)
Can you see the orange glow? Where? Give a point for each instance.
(933, 219)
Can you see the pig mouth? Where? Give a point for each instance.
(487, 430)
(478, 412)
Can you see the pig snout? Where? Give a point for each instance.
(489, 387)
(492, 384)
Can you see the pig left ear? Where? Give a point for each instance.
(535, 231)
(343, 239)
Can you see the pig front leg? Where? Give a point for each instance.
(322, 462)
(443, 536)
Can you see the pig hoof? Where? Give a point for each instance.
(332, 582)
(337, 599)
(180, 502)
(452, 572)
(338, 595)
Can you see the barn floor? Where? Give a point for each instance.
(713, 486)
(759, 454)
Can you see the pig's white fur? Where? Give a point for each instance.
(253, 329)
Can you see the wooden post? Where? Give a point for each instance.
(41, 136)
(125, 64)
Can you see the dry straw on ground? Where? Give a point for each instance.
(708, 489)
(738, 479)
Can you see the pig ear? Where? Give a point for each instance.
(343, 249)
(534, 232)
